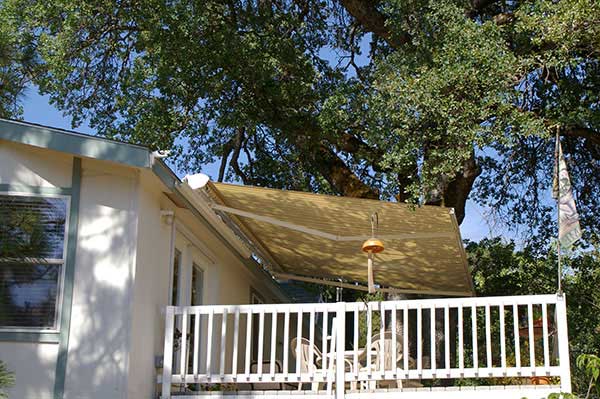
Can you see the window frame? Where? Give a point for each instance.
(62, 263)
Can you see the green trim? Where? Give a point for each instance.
(26, 336)
(75, 143)
(22, 188)
(67, 299)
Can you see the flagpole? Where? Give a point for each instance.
(558, 254)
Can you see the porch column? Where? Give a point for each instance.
(563, 343)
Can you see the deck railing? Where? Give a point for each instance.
(518, 337)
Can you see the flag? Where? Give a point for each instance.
(569, 230)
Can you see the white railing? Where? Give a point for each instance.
(392, 341)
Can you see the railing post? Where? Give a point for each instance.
(340, 348)
(563, 343)
(168, 353)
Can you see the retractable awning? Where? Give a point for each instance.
(307, 236)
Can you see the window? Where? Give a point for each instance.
(197, 284)
(32, 258)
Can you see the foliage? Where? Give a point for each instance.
(501, 269)
(404, 99)
(13, 66)
(590, 364)
(7, 379)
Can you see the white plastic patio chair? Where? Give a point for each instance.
(382, 347)
(307, 364)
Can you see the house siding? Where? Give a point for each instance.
(150, 292)
(99, 339)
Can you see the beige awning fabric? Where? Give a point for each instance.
(320, 236)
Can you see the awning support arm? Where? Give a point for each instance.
(295, 277)
(329, 236)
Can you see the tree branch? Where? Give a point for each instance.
(457, 192)
(372, 20)
(588, 134)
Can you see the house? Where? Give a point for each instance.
(141, 285)
(126, 249)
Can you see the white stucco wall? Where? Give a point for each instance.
(33, 365)
(99, 339)
(26, 165)
(150, 292)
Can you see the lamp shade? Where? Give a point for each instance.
(373, 245)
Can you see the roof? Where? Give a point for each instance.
(312, 235)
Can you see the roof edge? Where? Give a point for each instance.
(75, 143)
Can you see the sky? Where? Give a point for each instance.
(37, 109)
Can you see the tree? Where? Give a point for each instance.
(14, 62)
(500, 269)
(418, 100)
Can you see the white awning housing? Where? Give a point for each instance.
(310, 236)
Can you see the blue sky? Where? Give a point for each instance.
(37, 109)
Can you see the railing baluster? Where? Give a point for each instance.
(209, 344)
(432, 342)
(183, 353)
(488, 337)
(502, 338)
(405, 347)
(248, 343)
(331, 373)
(311, 338)
(447, 338)
(474, 336)
(517, 336)
(545, 335)
(261, 337)
(324, 345)
(273, 341)
(340, 338)
(531, 336)
(196, 343)
(236, 333)
(298, 343)
(382, 339)
(461, 343)
(394, 343)
(286, 340)
(355, 361)
(369, 337)
(223, 342)
(419, 340)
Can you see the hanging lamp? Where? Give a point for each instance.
(372, 246)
